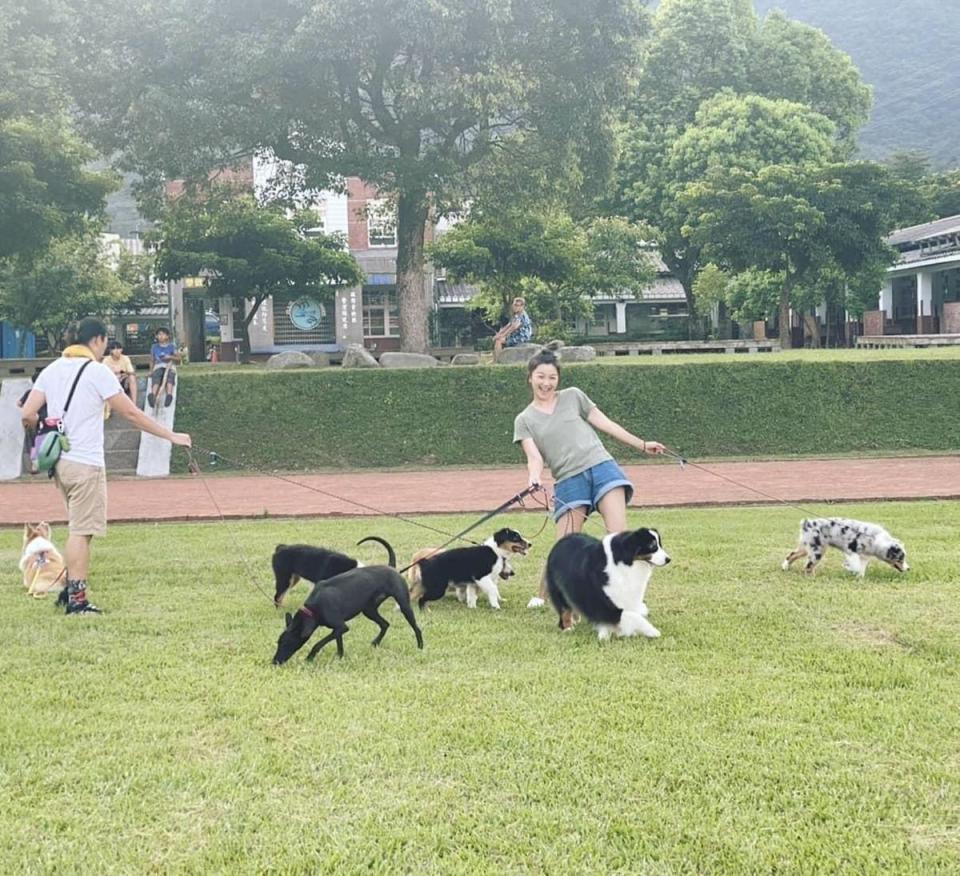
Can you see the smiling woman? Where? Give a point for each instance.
(557, 429)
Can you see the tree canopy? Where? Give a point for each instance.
(249, 251)
(557, 264)
(67, 281)
(407, 94)
(721, 87)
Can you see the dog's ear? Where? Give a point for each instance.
(646, 542)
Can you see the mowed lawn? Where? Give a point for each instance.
(781, 724)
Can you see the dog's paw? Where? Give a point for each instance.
(785, 565)
(536, 602)
(652, 633)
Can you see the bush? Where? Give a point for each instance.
(458, 416)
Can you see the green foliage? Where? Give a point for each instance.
(799, 221)
(556, 263)
(780, 724)
(362, 418)
(46, 191)
(711, 71)
(66, 282)
(410, 96)
(909, 91)
(248, 250)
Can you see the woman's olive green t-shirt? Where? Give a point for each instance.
(566, 441)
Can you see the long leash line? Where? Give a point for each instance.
(513, 500)
(777, 499)
(214, 456)
(195, 469)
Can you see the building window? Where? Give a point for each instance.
(381, 224)
(381, 315)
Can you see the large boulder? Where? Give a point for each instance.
(408, 360)
(355, 356)
(466, 359)
(518, 355)
(290, 359)
(576, 354)
(320, 360)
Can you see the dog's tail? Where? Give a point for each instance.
(391, 554)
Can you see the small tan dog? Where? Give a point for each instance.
(41, 563)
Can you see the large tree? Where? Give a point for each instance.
(410, 95)
(68, 280)
(46, 187)
(249, 251)
(698, 49)
(557, 263)
(796, 222)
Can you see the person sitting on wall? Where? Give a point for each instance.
(123, 368)
(519, 330)
(163, 373)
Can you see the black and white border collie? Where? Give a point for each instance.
(471, 568)
(859, 541)
(605, 581)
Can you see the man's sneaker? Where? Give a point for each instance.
(151, 399)
(83, 608)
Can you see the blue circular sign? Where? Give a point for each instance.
(306, 314)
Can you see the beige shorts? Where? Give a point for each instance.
(84, 488)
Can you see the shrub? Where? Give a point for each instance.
(458, 416)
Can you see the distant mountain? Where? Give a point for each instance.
(909, 51)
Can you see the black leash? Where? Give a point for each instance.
(513, 500)
(194, 468)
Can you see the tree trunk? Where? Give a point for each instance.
(244, 353)
(813, 328)
(412, 295)
(786, 336)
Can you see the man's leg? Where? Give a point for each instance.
(77, 555)
(84, 488)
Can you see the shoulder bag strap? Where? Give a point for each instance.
(73, 388)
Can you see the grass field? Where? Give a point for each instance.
(781, 724)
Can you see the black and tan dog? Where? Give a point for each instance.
(291, 562)
(470, 568)
(333, 602)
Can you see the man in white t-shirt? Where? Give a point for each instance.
(80, 472)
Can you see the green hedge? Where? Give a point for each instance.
(464, 416)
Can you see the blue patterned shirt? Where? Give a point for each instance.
(524, 333)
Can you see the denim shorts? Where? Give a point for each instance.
(586, 489)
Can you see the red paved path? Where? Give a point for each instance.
(444, 490)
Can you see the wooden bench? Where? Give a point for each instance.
(659, 348)
(901, 342)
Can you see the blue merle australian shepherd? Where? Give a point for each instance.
(859, 541)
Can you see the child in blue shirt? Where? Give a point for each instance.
(163, 358)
